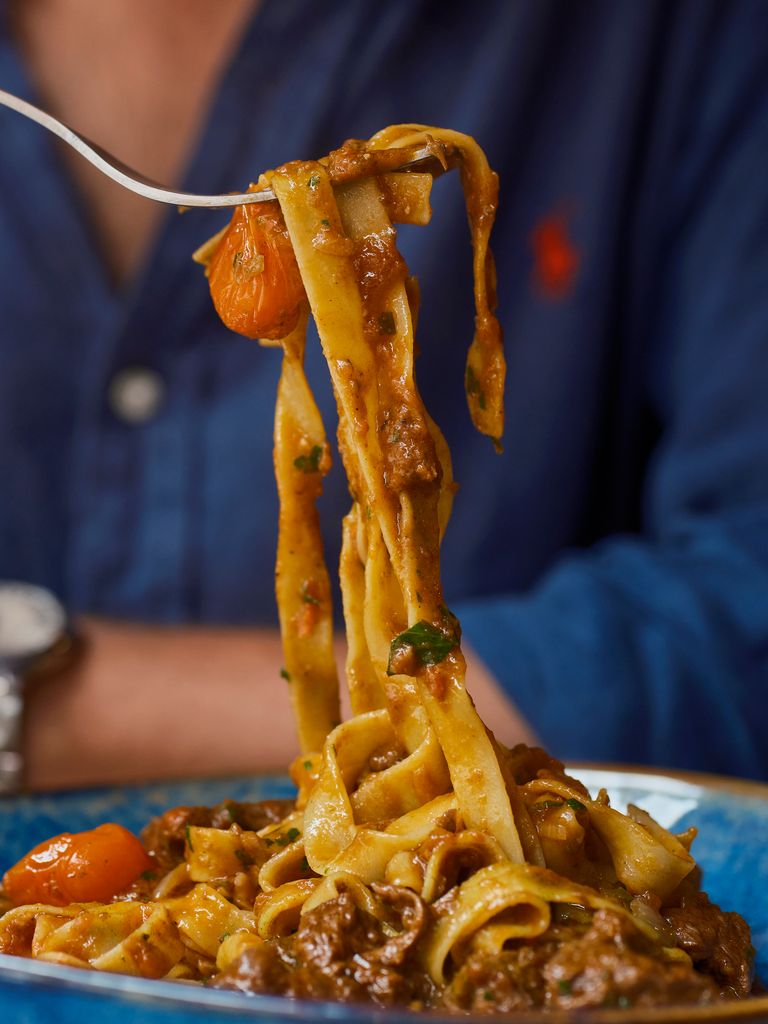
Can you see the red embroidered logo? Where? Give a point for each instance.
(555, 258)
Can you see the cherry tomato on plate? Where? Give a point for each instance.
(80, 867)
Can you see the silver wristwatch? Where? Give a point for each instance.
(34, 641)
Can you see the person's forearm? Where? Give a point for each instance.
(148, 702)
(643, 653)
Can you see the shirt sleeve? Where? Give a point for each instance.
(654, 648)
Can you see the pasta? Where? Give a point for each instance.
(422, 862)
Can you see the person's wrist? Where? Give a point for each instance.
(36, 642)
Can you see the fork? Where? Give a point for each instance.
(137, 182)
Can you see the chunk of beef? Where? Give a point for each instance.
(342, 953)
(164, 837)
(613, 964)
(608, 963)
(717, 941)
(508, 982)
(257, 969)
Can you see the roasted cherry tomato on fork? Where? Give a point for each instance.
(253, 275)
(80, 867)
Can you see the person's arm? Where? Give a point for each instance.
(655, 648)
(149, 702)
(153, 702)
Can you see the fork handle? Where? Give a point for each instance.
(120, 172)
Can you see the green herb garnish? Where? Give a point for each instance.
(224, 935)
(387, 323)
(326, 222)
(189, 838)
(288, 837)
(148, 876)
(308, 598)
(314, 181)
(576, 805)
(488, 996)
(309, 463)
(429, 643)
(304, 864)
(564, 988)
(285, 674)
(308, 766)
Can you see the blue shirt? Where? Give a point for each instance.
(612, 565)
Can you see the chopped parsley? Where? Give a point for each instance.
(565, 988)
(189, 838)
(313, 181)
(309, 463)
(304, 864)
(242, 856)
(368, 512)
(488, 996)
(429, 643)
(148, 876)
(288, 837)
(576, 805)
(308, 766)
(224, 935)
(387, 324)
(307, 597)
(326, 222)
(285, 674)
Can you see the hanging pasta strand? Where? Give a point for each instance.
(302, 584)
(486, 366)
(365, 691)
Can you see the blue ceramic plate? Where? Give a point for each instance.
(732, 848)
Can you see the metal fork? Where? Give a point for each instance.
(136, 182)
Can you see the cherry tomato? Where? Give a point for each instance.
(253, 275)
(79, 867)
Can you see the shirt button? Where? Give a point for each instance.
(136, 394)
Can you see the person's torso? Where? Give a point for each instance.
(173, 518)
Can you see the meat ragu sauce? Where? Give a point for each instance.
(422, 864)
(341, 951)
